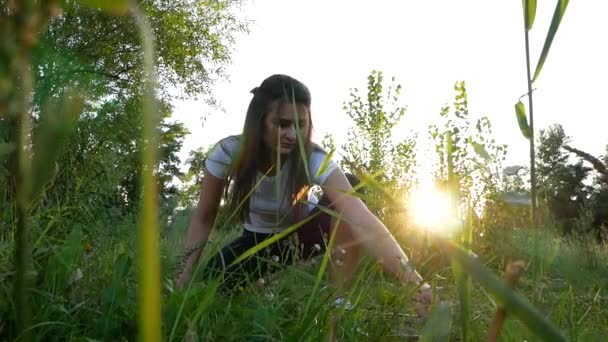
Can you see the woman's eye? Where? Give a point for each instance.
(287, 124)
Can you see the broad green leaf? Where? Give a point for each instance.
(113, 297)
(481, 150)
(117, 291)
(110, 6)
(515, 304)
(437, 326)
(522, 120)
(529, 13)
(65, 260)
(57, 121)
(7, 148)
(560, 9)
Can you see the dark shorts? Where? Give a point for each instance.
(307, 242)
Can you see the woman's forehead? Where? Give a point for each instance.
(287, 111)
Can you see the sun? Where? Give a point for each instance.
(432, 210)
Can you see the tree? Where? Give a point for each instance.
(598, 198)
(560, 183)
(193, 178)
(371, 149)
(100, 55)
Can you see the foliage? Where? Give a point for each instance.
(508, 208)
(470, 151)
(99, 52)
(193, 178)
(371, 148)
(561, 184)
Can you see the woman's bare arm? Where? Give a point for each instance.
(201, 223)
(368, 229)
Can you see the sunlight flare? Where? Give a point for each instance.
(432, 210)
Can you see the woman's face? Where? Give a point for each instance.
(280, 130)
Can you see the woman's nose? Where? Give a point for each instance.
(290, 133)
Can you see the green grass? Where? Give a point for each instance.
(565, 281)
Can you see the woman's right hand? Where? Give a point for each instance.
(422, 300)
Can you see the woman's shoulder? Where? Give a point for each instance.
(231, 140)
(227, 144)
(221, 155)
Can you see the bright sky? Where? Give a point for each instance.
(427, 45)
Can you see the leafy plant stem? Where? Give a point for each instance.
(531, 125)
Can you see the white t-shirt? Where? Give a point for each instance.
(268, 205)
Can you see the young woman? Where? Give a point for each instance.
(265, 174)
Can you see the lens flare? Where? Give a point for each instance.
(433, 211)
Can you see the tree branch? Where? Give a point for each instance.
(100, 72)
(597, 164)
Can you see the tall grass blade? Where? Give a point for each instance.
(23, 73)
(149, 260)
(560, 10)
(522, 120)
(301, 141)
(370, 182)
(325, 163)
(23, 257)
(242, 202)
(529, 13)
(278, 181)
(514, 304)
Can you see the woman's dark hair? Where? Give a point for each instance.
(270, 95)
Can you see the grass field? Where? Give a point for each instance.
(87, 290)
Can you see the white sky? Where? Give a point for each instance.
(427, 45)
